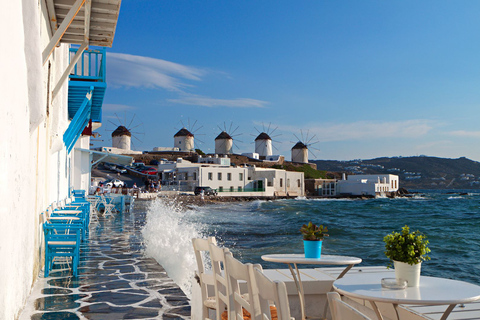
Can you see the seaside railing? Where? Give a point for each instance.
(242, 190)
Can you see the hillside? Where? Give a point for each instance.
(415, 172)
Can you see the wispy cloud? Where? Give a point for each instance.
(465, 134)
(116, 107)
(130, 71)
(194, 100)
(126, 70)
(367, 130)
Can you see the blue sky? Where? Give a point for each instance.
(364, 79)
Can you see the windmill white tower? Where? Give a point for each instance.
(300, 153)
(122, 138)
(223, 143)
(125, 130)
(300, 149)
(263, 145)
(184, 140)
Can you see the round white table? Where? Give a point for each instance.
(295, 259)
(431, 291)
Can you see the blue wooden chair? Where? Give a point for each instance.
(61, 240)
(68, 216)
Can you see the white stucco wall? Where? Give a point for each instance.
(81, 160)
(33, 161)
(184, 143)
(223, 146)
(263, 147)
(122, 142)
(300, 155)
(387, 182)
(355, 187)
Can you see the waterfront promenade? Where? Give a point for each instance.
(115, 280)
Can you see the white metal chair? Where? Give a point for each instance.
(343, 311)
(109, 207)
(271, 292)
(205, 277)
(242, 305)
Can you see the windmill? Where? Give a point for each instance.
(125, 130)
(184, 139)
(224, 142)
(300, 149)
(263, 142)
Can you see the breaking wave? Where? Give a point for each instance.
(168, 237)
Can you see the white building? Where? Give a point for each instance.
(222, 161)
(368, 185)
(263, 145)
(184, 140)
(231, 181)
(252, 155)
(223, 143)
(41, 157)
(121, 138)
(300, 153)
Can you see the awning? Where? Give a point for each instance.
(82, 22)
(99, 156)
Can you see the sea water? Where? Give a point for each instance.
(451, 222)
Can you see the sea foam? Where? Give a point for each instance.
(168, 239)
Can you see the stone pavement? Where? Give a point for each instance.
(115, 280)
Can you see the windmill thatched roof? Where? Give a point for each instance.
(183, 133)
(223, 135)
(121, 131)
(300, 145)
(263, 136)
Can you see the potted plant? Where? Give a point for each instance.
(312, 239)
(407, 250)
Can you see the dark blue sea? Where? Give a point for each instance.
(450, 219)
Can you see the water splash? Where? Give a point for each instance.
(168, 237)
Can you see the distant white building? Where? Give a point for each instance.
(166, 149)
(368, 185)
(222, 161)
(300, 153)
(223, 143)
(263, 145)
(252, 155)
(231, 181)
(117, 150)
(184, 140)
(121, 138)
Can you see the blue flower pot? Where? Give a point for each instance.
(313, 249)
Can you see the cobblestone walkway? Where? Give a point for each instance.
(115, 280)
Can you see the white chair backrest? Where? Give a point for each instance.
(222, 292)
(343, 311)
(239, 272)
(202, 255)
(201, 249)
(271, 291)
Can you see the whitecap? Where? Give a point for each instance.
(168, 239)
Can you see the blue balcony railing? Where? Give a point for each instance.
(90, 67)
(88, 72)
